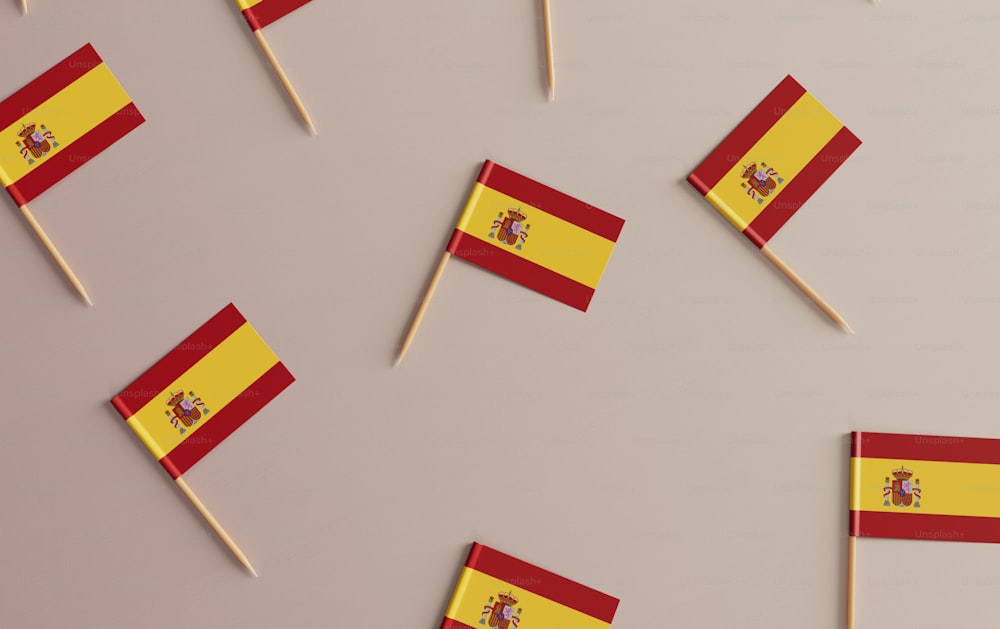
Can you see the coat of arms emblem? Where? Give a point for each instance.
(761, 181)
(510, 229)
(499, 613)
(185, 410)
(900, 491)
(35, 142)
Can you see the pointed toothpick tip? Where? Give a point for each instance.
(847, 328)
(552, 95)
(312, 129)
(252, 571)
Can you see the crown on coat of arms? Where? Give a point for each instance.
(507, 598)
(26, 130)
(176, 397)
(518, 216)
(902, 473)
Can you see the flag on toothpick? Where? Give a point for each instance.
(532, 234)
(921, 487)
(198, 394)
(925, 487)
(56, 124)
(202, 391)
(771, 164)
(498, 591)
(260, 13)
(535, 235)
(60, 121)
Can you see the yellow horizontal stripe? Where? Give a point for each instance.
(551, 242)
(218, 378)
(475, 589)
(787, 147)
(68, 115)
(246, 4)
(946, 488)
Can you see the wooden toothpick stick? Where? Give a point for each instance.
(805, 288)
(215, 525)
(423, 307)
(549, 55)
(851, 552)
(284, 81)
(55, 254)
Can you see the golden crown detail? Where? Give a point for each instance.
(902, 473)
(516, 214)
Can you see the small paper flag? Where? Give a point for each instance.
(774, 161)
(59, 122)
(202, 391)
(498, 591)
(925, 487)
(260, 13)
(535, 235)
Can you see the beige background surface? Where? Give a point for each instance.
(682, 445)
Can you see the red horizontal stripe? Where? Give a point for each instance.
(950, 528)
(448, 623)
(269, 11)
(746, 134)
(880, 445)
(802, 186)
(530, 274)
(552, 201)
(48, 85)
(542, 582)
(227, 420)
(76, 154)
(180, 359)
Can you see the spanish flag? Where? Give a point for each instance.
(532, 234)
(925, 487)
(260, 13)
(202, 391)
(59, 122)
(498, 591)
(774, 161)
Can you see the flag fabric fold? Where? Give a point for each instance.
(497, 591)
(260, 13)
(925, 487)
(535, 235)
(774, 161)
(202, 391)
(59, 122)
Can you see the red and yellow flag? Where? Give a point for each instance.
(925, 487)
(59, 122)
(774, 161)
(260, 13)
(202, 391)
(532, 234)
(499, 592)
